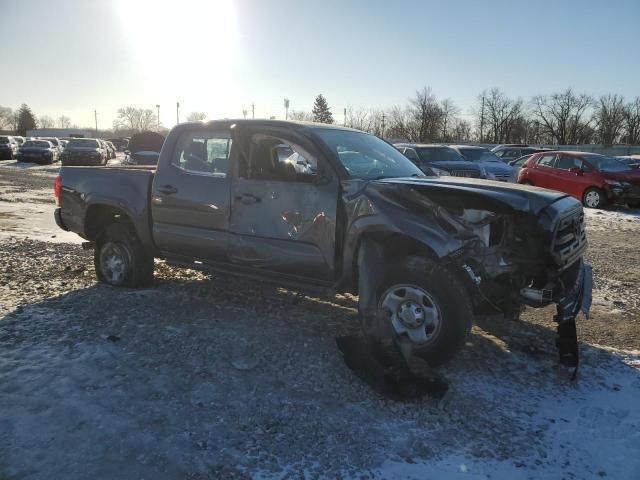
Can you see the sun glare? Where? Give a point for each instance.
(183, 48)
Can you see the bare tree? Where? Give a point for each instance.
(501, 115)
(6, 117)
(461, 131)
(632, 122)
(398, 123)
(609, 117)
(427, 116)
(450, 114)
(63, 122)
(135, 119)
(196, 117)
(563, 115)
(358, 118)
(46, 122)
(300, 116)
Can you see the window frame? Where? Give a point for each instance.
(553, 162)
(243, 139)
(208, 134)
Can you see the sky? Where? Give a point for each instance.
(72, 57)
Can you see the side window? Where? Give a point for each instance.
(566, 162)
(267, 157)
(512, 154)
(411, 155)
(204, 153)
(546, 160)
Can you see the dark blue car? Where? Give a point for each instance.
(440, 160)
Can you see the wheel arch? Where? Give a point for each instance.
(99, 216)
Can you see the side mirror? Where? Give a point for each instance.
(578, 171)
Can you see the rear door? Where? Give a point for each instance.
(543, 172)
(284, 205)
(191, 196)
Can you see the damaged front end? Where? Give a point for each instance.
(513, 258)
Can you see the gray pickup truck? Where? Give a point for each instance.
(313, 206)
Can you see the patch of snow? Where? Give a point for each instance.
(34, 221)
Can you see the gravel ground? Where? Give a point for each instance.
(212, 377)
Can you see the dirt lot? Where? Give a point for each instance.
(212, 377)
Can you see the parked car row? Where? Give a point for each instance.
(457, 161)
(91, 151)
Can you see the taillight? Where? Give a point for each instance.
(57, 185)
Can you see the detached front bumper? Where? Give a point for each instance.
(570, 301)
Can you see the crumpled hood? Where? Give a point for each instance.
(512, 195)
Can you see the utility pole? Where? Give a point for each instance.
(286, 109)
(244, 113)
(95, 114)
(345, 116)
(177, 112)
(382, 126)
(158, 107)
(253, 110)
(482, 122)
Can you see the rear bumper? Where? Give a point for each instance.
(57, 214)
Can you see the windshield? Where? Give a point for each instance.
(479, 155)
(4, 139)
(52, 140)
(439, 154)
(606, 164)
(83, 142)
(36, 143)
(367, 157)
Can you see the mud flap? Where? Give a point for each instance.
(574, 299)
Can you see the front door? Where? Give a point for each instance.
(572, 176)
(284, 203)
(191, 197)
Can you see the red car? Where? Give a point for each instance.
(591, 178)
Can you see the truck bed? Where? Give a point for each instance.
(86, 190)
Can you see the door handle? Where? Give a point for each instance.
(168, 189)
(247, 199)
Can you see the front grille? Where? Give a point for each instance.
(465, 173)
(569, 236)
(503, 177)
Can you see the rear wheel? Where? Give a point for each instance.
(594, 198)
(427, 308)
(120, 259)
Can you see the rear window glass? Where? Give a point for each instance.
(83, 142)
(37, 143)
(439, 155)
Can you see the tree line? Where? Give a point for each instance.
(561, 118)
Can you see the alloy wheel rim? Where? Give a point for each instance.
(413, 313)
(115, 260)
(593, 199)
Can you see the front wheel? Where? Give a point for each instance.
(427, 307)
(120, 259)
(594, 198)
